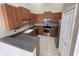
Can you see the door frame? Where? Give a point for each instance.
(75, 30)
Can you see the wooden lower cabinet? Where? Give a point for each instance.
(37, 48)
(34, 32)
(40, 30)
(54, 32)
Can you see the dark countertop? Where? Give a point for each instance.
(22, 41)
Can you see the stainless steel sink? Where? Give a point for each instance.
(28, 31)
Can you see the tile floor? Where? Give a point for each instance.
(47, 46)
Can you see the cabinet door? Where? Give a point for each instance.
(9, 14)
(26, 13)
(13, 14)
(19, 17)
(56, 17)
(33, 18)
(41, 30)
(54, 32)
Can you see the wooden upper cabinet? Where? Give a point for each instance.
(19, 17)
(39, 18)
(48, 15)
(26, 14)
(9, 14)
(56, 16)
(33, 18)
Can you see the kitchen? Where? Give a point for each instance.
(22, 29)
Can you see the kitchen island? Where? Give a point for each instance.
(19, 45)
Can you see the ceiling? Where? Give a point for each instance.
(41, 7)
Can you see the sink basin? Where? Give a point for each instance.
(28, 31)
(33, 27)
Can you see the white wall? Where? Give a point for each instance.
(67, 5)
(41, 7)
(1, 23)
